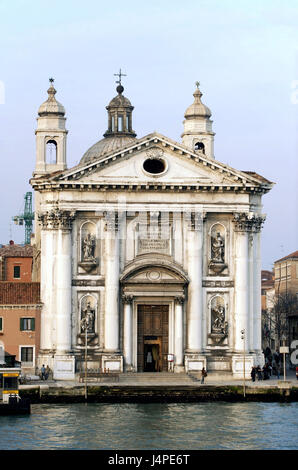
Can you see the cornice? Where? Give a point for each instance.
(70, 179)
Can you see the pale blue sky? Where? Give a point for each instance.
(244, 53)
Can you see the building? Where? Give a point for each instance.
(149, 244)
(286, 289)
(268, 318)
(19, 306)
(16, 262)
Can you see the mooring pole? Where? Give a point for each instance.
(244, 384)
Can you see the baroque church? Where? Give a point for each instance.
(149, 248)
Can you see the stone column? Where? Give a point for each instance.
(63, 278)
(179, 356)
(257, 267)
(241, 296)
(127, 333)
(46, 287)
(112, 284)
(195, 289)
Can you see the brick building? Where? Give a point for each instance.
(19, 306)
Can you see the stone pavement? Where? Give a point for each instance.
(166, 379)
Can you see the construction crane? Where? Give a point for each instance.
(27, 217)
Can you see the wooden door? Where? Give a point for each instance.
(153, 323)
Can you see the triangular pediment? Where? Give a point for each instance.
(181, 166)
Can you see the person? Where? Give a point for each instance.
(43, 372)
(253, 374)
(278, 371)
(259, 373)
(47, 373)
(203, 375)
(149, 360)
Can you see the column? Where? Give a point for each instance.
(112, 285)
(241, 296)
(63, 285)
(46, 288)
(257, 320)
(127, 331)
(195, 296)
(179, 356)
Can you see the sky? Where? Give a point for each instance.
(244, 53)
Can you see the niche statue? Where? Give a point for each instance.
(88, 318)
(217, 249)
(88, 247)
(219, 325)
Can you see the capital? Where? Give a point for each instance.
(248, 222)
(56, 219)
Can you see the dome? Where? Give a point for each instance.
(197, 109)
(51, 105)
(107, 145)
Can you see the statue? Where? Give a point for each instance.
(88, 247)
(217, 249)
(219, 324)
(88, 318)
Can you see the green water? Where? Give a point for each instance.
(153, 426)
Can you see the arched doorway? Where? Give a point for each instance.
(153, 284)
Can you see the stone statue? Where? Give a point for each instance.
(88, 318)
(217, 249)
(219, 324)
(88, 247)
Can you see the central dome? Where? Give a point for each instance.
(119, 133)
(107, 145)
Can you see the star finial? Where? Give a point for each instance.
(120, 74)
(197, 84)
(51, 80)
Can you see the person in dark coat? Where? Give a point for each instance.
(253, 374)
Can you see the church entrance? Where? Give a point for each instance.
(153, 325)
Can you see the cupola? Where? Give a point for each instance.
(198, 134)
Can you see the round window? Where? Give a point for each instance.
(154, 166)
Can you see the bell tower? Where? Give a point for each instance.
(198, 134)
(50, 135)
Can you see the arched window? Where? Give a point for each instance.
(200, 147)
(120, 123)
(51, 151)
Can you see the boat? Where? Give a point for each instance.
(10, 401)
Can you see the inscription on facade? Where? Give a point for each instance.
(149, 245)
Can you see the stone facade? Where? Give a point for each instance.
(153, 246)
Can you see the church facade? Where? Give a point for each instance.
(149, 249)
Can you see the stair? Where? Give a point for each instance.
(155, 378)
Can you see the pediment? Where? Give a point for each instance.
(182, 167)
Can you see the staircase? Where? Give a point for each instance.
(155, 378)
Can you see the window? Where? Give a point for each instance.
(120, 123)
(200, 147)
(1, 325)
(154, 166)
(27, 354)
(17, 272)
(51, 151)
(27, 324)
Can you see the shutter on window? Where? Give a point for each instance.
(22, 324)
(33, 324)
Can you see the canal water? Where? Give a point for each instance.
(153, 426)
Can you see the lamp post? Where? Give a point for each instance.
(84, 325)
(243, 338)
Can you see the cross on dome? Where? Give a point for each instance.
(120, 74)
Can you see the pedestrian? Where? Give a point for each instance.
(253, 374)
(203, 375)
(47, 372)
(43, 372)
(278, 371)
(259, 373)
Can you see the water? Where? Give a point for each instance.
(153, 426)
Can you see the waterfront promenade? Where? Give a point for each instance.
(162, 387)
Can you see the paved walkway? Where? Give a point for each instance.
(172, 381)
